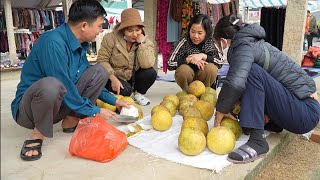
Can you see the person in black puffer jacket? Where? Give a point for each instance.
(274, 91)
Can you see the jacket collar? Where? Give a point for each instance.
(73, 41)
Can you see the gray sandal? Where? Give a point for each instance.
(247, 153)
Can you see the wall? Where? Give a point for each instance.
(293, 38)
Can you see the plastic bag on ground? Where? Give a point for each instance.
(97, 140)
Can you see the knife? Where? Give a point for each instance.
(126, 119)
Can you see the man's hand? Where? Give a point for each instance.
(220, 116)
(115, 84)
(119, 104)
(107, 114)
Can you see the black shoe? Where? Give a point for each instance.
(69, 130)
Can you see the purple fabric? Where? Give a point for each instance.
(223, 71)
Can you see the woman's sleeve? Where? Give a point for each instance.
(105, 53)
(177, 56)
(145, 55)
(241, 60)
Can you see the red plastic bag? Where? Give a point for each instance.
(308, 61)
(96, 139)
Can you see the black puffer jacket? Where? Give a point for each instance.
(246, 49)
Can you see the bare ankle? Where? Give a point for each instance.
(36, 134)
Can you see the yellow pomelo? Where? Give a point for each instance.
(196, 88)
(210, 98)
(157, 108)
(173, 98)
(190, 97)
(233, 125)
(191, 141)
(127, 99)
(206, 109)
(211, 91)
(102, 104)
(221, 140)
(139, 110)
(191, 112)
(118, 96)
(185, 104)
(137, 129)
(193, 122)
(170, 105)
(161, 120)
(180, 94)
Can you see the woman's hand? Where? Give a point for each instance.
(107, 114)
(141, 38)
(119, 104)
(115, 83)
(195, 58)
(220, 116)
(201, 64)
(314, 96)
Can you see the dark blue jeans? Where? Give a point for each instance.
(265, 95)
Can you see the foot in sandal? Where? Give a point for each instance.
(31, 149)
(256, 147)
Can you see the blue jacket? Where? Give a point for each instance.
(59, 54)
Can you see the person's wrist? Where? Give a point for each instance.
(112, 77)
(204, 56)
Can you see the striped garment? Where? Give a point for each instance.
(185, 47)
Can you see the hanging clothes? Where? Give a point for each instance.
(173, 27)
(225, 9)
(4, 46)
(272, 20)
(186, 16)
(176, 10)
(161, 33)
(217, 14)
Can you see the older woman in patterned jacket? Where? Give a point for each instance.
(195, 56)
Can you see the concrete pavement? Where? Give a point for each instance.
(132, 163)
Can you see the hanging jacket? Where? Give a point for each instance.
(246, 49)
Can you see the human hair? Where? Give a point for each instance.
(85, 10)
(308, 11)
(122, 30)
(204, 21)
(227, 27)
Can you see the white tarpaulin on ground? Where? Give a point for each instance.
(262, 3)
(165, 145)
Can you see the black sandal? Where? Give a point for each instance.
(26, 149)
(247, 153)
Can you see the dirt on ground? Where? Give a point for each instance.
(300, 159)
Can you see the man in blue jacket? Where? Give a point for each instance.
(57, 81)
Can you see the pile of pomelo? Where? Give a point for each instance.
(197, 106)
